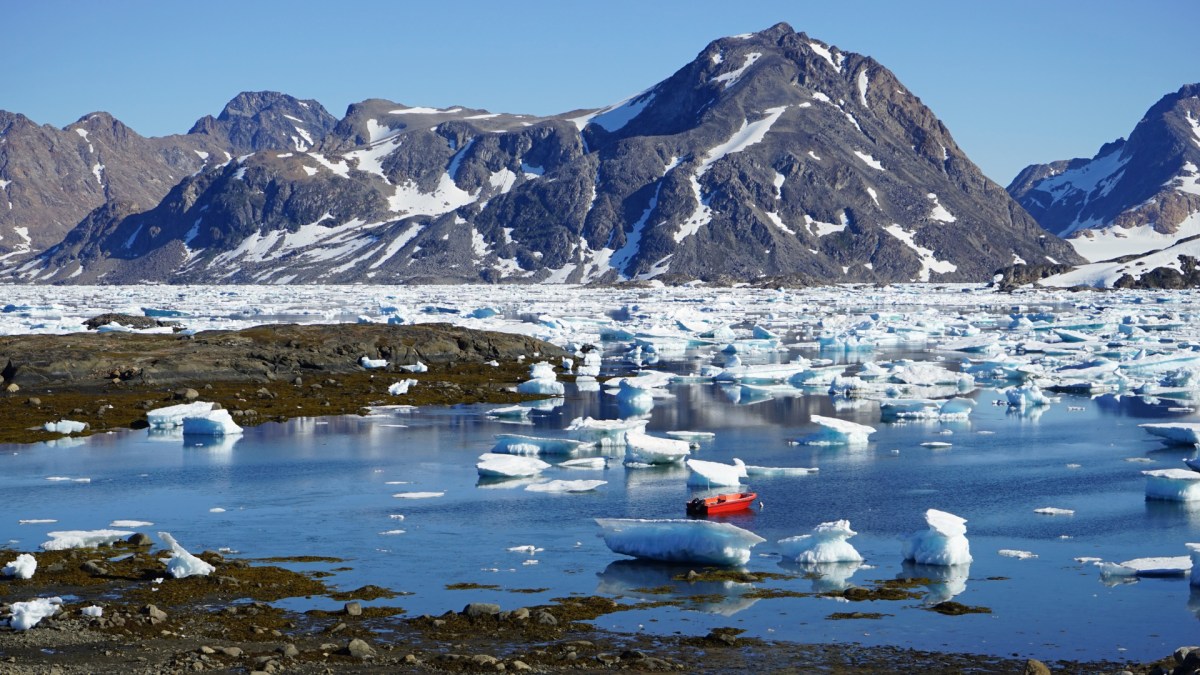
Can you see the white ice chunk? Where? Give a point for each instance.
(182, 563)
(825, 544)
(1177, 485)
(604, 432)
(566, 486)
(1028, 395)
(370, 364)
(516, 444)
(944, 543)
(509, 466)
(1175, 433)
(1172, 566)
(647, 449)
(65, 427)
(418, 495)
(585, 463)
(838, 432)
(1054, 511)
(93, 611)
(542, 380)
(1194, 553)
(212, 423)
(401, 388)
(703, 473)
(65, 539)
(765, 471)
(700, 542)
(172, 416)
(417, 367)
(26, 615)
(22, 568)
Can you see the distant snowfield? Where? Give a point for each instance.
(1111, 242)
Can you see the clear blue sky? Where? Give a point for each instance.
(1015, 81)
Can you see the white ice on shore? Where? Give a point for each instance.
(26, 615)
(172, 415)
(566, 486)
(401, 388)
(944, 543)
(542, 380)
(1175, 433)
(21, 568)
(92, 611)
(700, 542)
(372, 364)
(212, 423)
(827, 543)
(497, 465)
(703, 473)
(1177, 485)
(647, 449)
(838, 432)
(183, 564)
(65, 427)
(65, 539)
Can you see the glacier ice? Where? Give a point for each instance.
(837, 432)
(1178, 485)
(509, 466)
(372, 364)
(646, 449)
(542, 381)
(517, 444)
(26, 615)
(1194, 554)
(65, 427)
(65, 539)
(566, 486)
(1168, 566)
(401, 388)
(213, 423)
(172, 416)
(604, 432)
(182, 563)
(1175, 433)
(943, 543)
(703, 473)
(700, 542)
(22, 568)
(827, 543)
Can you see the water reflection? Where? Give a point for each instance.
(826, 577)
(653, 581)
(943, 581)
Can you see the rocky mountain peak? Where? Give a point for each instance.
(260, 120)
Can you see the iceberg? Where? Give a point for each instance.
(772, 471)
(838, 432)
(21, 568)
(212, 423)
(172, 416)
(1194, 554)
(944, 543)
(1173, 566)
(516, 444)
(826, 544)
(493, 465)
(26, 615)
(604, 432)
(700, 542)
(542, 380)
(1175, 433)
(65, 539)
(510, 412)
(182, 563)
(590, 367)
(585, 463)
(1028, 395)
(646, 449)
(1176, 485)
(714, 474)
(693, 437)
(65, 427)
(566, 486)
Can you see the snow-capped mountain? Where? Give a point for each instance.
(770, 155)
(1134, 197)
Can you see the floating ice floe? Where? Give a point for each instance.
(372, 364)
(566, 486)
(703, 473)
(944, 543)
(212, 423)
(1175, 433)
(509, 466)
(590, 366)
(26, 615)
(647, 449)
(542, 380)
(65, 427)
(1194, 554)
(1173, 566)
(418, 495)
(1026, 396)
(700, 542)
(172, 416)
(837, 432)
(183, 564)
(770, 471)
(827, 543)
(401, 388)
(1177, 485)
(1053, 511)
(691, 436)
(511, 412)
(606, 433)
(65, 539)
(21, 568)
(517, 444)
(585, 463)
(1014, 553)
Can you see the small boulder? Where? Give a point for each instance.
(353, 609)
(546, 618)
(232, 652)
(188, 394)
(289, 651)
(1035, 667)
(156, 615)
(93, 568)
(480, 609)
(359, 649)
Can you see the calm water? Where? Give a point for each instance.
(326, 486)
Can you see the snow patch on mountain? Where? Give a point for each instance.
(869, 160)
(825, 53)
(1105, 244)
(731, 78)
(929, 263)
(1105, 274)
(447, 196)
(939, 212)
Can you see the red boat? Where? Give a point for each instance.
(726, 503)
